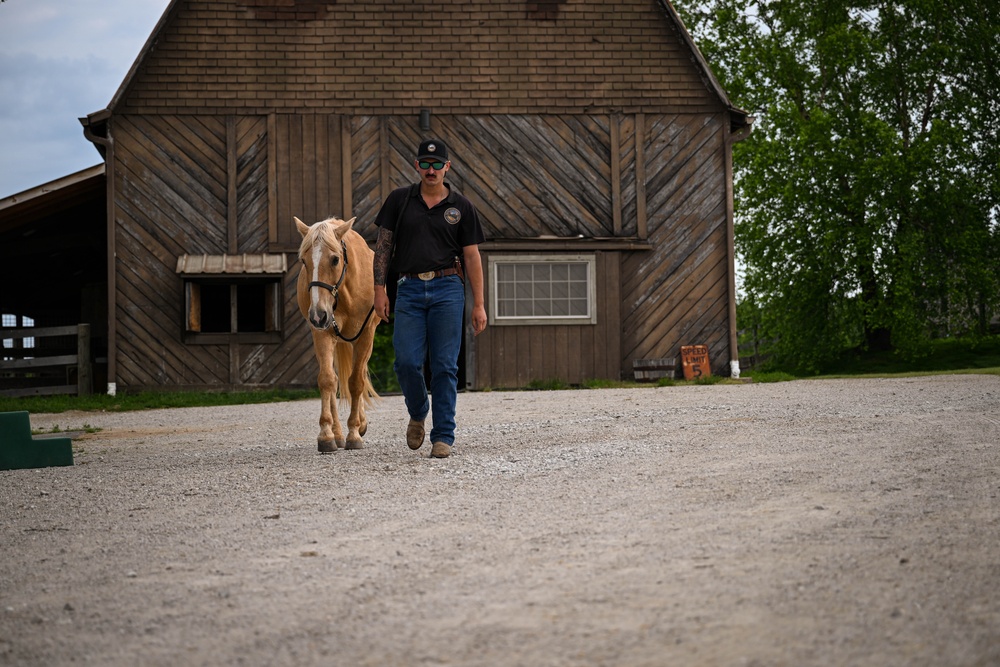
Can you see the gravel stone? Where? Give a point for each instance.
(814, 522)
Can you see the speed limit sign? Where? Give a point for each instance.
(694, 359)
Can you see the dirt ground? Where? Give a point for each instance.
(832, 522)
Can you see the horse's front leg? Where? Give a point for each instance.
(330, 435)
(357, 416)
(358, 385)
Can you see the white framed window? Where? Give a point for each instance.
(10, 321)
(542, 289)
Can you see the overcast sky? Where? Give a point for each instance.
(59, 61)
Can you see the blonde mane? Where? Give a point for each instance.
(322, 232)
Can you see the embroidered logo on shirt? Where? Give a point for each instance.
(452, 216)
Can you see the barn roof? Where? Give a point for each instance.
(740, 117)
(511, 80)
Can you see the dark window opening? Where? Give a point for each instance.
(251, 308)
(243, 307)
(215, 310)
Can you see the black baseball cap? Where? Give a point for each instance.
(432, 149)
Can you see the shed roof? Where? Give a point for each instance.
(257, 263)
(50, 198)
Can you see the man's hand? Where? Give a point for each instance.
(473, 262)
(381, 303)
(478, 319)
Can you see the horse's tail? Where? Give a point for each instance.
(343, 360)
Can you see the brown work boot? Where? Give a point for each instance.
(440, 450)
(415, 434)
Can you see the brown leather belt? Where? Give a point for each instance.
(430, 275)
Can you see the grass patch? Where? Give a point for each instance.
(151, 400)
(942, 356)
(768, 376)
(547, 385)
(599, 383)
(957, 371)
(703, 380)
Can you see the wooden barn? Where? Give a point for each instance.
(592, 136)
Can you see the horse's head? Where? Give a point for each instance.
(323, 254)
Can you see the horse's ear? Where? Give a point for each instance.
(345, 227)
(301, 226)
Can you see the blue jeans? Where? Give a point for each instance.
(428, 325)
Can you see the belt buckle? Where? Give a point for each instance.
(426, 275)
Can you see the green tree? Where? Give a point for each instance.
(867, 194)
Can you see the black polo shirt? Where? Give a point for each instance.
(428, 239)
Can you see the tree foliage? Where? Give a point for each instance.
(867, 193)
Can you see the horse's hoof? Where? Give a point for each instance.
(326, 446)
(341, 444)
(363, 429)
(355, 444)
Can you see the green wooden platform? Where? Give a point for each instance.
(19, 449)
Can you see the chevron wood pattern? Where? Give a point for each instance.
(528, 176)
(366, 175)
(659, 178)
(250, 160)
(562, 176)
(677, 294)
(174, 199)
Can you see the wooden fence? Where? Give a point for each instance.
(52, 365)
(752, 349)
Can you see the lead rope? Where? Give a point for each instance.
(336, 329)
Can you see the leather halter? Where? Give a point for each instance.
(335, 291)
(343, 272)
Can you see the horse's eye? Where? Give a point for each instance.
(334, 261)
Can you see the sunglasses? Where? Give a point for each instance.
(427, 164)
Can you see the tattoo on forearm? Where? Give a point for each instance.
(383, 253)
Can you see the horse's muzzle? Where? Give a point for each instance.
(320, 319)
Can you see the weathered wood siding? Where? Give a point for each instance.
(564, 177)
(175, 197)
(514, 356)
(370, 57)
(530, 177)
(677, 294)
(307, 173)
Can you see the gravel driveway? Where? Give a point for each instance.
(823, 522)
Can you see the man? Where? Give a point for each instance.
(424, 230)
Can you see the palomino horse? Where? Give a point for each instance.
(336, 294)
